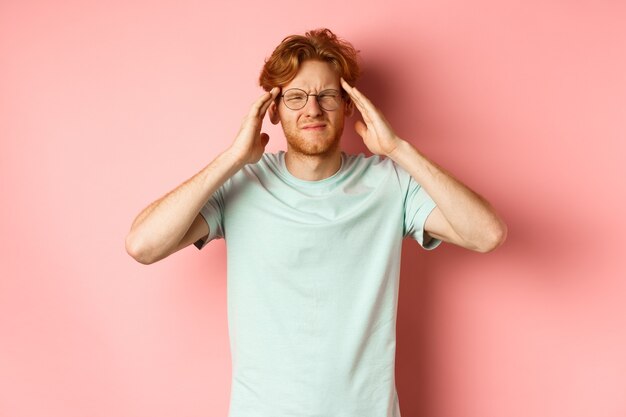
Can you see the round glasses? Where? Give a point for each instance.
(296, 99)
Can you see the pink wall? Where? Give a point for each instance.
(105, 106)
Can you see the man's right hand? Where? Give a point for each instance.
(174, 221)
(249, 144)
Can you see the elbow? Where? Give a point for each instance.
(494, 238)
(138, 251)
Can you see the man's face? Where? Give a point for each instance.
(312, 130)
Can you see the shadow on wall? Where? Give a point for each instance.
(416, 302)
(542, 249)
(525, 252)
(411, 368)
(414, 318)
(551, 243)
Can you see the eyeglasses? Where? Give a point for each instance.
(296, 99)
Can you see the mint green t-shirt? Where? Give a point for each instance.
(313, 272)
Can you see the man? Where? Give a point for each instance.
(314, 238)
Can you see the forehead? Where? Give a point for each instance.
(314, 75)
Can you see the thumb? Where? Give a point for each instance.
(264, 139)
(360, 128)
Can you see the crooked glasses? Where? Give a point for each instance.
(296, 99)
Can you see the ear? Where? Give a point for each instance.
(349, 108)
(273, 112)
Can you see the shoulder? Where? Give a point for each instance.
(362, 160)
(266, 170)
(373, 165)
(270, 161)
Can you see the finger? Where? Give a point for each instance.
(345, 84)
(360, 128)
(360, 107)
(352, 92)
(355, 99)
(265, 138)
(348, 88)
(273, 94)
(365, 112)
(359, 98)
(265, 99)
(256, 106)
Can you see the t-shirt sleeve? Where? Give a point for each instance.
(417, 206)
(213, 211)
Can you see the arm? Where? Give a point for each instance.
(174, 221)
(462, 217)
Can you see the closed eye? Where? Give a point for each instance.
(329, 94)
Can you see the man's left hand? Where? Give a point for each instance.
(375, 130)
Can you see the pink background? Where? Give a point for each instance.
(105, 106)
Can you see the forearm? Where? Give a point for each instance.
(470, 216)
(462, 216)
(168, 224)
(161, 226)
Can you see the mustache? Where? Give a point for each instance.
(313, 122)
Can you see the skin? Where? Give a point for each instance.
(172, 222)
(462, 217)
(313, 134)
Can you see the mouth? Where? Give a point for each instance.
(314, 126)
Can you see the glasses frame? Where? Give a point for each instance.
(341, 97)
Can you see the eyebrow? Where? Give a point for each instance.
(323, 89)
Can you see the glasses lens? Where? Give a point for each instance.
(295, 99)
(329, 99)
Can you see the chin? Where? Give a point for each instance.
(313, 145)
(313, 148)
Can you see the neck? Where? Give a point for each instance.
(313, 167)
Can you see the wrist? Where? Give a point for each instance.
(235, 157)
(398, 150)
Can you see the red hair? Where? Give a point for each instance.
(320, 44)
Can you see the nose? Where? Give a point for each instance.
(312, 107)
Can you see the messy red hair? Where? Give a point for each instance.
(320, 44)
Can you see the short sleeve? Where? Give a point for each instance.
(213, 212)
(417, 206)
